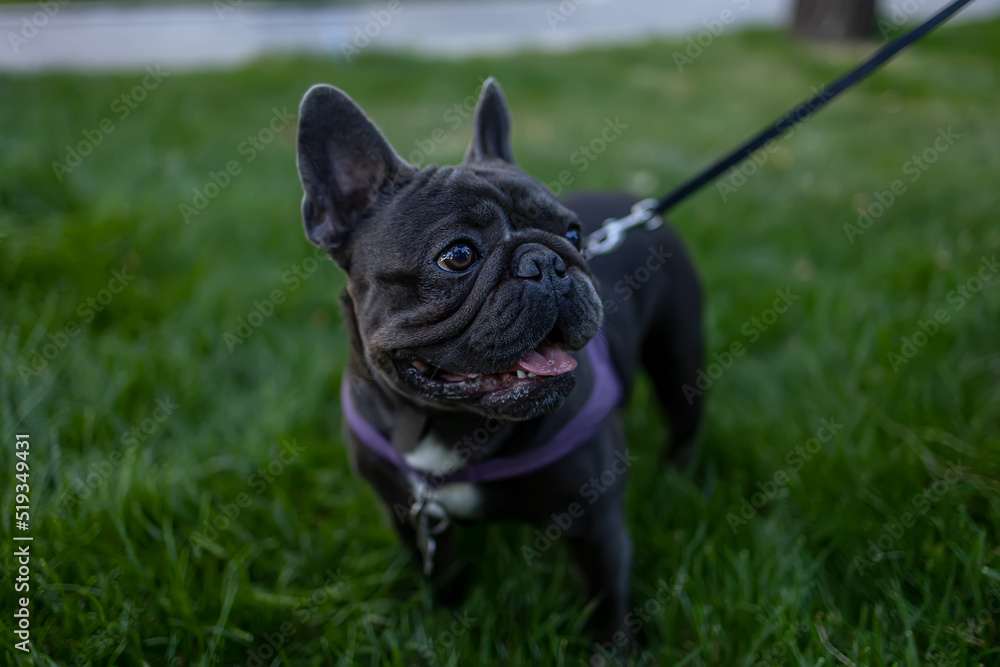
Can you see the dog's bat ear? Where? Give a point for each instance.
(343, 160)
(491, 139)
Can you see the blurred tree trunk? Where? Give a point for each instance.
(834, 20)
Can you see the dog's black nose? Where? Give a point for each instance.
(533, 261)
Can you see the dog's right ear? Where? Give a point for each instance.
(491, 136)
(343, 160)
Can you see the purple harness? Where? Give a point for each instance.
(604, 397)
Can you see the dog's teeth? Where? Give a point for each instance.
(473, 376)
(522, 374)
(531, 375)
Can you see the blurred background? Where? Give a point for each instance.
(173, 347)
(121, 35)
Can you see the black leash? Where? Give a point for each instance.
(611, 234)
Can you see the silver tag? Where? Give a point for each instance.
(430, 518)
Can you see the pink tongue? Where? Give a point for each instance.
(547, 359)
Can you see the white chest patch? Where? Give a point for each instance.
(433, 457)
(461, 499)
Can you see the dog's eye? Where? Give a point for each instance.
(458, 257)
(573, 236)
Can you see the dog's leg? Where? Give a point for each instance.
(603, 553)
(449, 577)
(672, 354)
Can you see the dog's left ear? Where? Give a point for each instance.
(491, 139)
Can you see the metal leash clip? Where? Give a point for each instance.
(429, 518)
(612, 231)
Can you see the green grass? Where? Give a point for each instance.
(133, 573)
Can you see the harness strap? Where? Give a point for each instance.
(606, 395)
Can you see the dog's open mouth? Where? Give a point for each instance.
(540, 365)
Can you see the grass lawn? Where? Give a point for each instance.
(191, 501)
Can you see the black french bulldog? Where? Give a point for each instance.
(469, 394)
